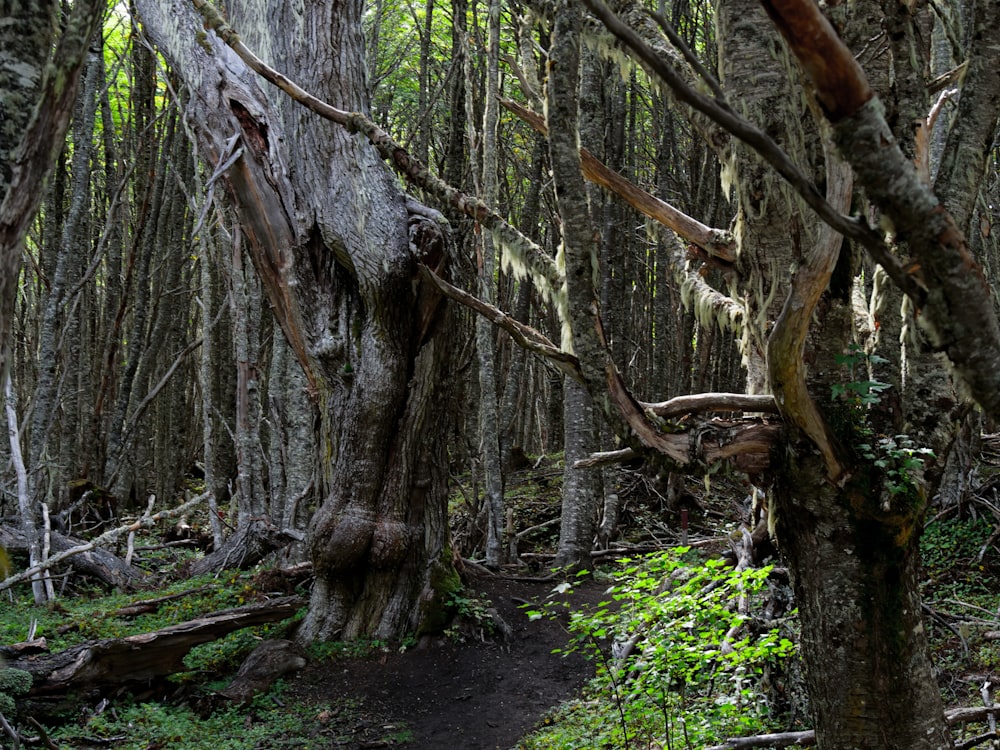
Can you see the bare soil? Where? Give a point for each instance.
(471, 692)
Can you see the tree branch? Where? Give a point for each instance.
(718, 243)
(945, 282)
(524, 335)
(703, 402)
(105, 538)
(542, 267)
(721, 113)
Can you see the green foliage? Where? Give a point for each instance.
(471, 612)
(358, 649)
(954, 563)
(73, 620)
(858, 392)
(695, 672)
(266, 726)
(12, 682)
(897, 458)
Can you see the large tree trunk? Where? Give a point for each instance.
(863, 643)
(328, 230)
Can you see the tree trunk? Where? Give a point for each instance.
(331, 241)
(489, 416)
(581, 491)
(863, 643)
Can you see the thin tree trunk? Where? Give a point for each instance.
(489, 418)
(25, 503)
(581, 490)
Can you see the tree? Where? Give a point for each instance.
(336, 243)
(38, 85)
(847, 508)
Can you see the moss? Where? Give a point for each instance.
(12, 682)
(437, 610)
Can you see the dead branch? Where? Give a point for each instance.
(525, 336)
(106, 538)
(779, 739)
(703, 402)
(807, 738)
(606, 458)
(145, 606)
(718, 243)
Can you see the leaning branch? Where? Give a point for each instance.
(106, 538)
(530, 254)
(718, 243)
(524, 335)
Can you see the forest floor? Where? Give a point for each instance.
(468, 690)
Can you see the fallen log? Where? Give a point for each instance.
(87, 559)
(143, 657)
(251, 543)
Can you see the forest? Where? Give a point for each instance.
(500, 373)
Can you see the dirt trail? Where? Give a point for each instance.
(474, 695)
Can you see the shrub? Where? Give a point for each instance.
(674, 653)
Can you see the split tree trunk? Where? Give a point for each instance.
(330, 236)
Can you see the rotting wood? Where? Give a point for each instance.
(146, 656)
(247, 547)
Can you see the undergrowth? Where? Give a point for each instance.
(681, 659)
(268, 723)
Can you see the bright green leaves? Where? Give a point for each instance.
(680, 643)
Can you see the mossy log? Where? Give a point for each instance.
(139, 658)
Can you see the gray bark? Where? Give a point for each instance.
(331, 243)
(489, 417)
(291, 440)
(581, 490)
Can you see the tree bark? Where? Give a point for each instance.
(336, 252)
(581, 490)
(856, 579)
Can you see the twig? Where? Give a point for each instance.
(11, 732)
(130, 552)
(979, 739)
(43, 736)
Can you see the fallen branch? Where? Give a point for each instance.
(779, 739)
(105, 538)
(807, 738)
